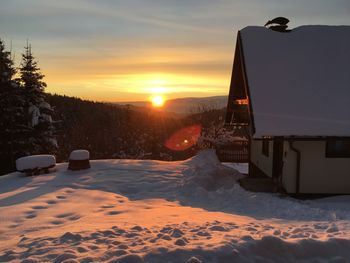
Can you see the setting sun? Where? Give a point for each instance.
(158, 101)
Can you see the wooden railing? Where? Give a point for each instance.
(236, 152)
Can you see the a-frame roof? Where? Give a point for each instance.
(299, 82)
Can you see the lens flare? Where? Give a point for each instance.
(184, 138)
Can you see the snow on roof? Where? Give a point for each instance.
(299, 81)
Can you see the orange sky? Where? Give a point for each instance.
(129, 50)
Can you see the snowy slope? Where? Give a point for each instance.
(152, 211)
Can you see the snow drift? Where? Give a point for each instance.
(206, 170)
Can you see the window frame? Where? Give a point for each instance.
(330, 153)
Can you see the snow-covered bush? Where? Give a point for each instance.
(79, 159)
(35, 163)
(79, 155)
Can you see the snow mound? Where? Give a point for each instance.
(35, 162)
(204, 158)
(208, 172)
(78, 155)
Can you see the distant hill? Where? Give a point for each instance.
(185, 105)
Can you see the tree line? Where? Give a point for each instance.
(127, 132)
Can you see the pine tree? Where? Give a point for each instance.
(42, 138)
(13, 130)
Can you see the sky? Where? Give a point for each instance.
(111, 50)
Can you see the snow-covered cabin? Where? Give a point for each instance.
(290, 93)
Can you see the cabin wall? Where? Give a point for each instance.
(258, 159)
(318, 174)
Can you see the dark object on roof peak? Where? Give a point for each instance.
(278, 20)
(278, 24)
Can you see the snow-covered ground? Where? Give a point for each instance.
(152, 211)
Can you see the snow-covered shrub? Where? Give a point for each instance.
(35, 163)
(79, 159)
(79, 155)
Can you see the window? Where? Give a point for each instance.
(338, 148)
(265, 147)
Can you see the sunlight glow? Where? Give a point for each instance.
(158, 101)
(131, 87)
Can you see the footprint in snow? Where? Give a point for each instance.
(82, 249)
(137, 228)
(181, 242)
(51, 202)
(107, 233)
(64, 215)
(203, 234)
(122, 246)
(251, 229)
(176, 233)
(166, 229)
(68, 216)
(30, 216)
(107, 206)
(68, 236)
(166, 237)
(74, 217)
(131, 235)
(218, 228)
(93, 247)
(112, 213)
(36, 207)
(57, 222)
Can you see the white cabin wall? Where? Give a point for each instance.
(261, 161)
(318, 174)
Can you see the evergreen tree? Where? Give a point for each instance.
(13, 130)
(42, 138)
